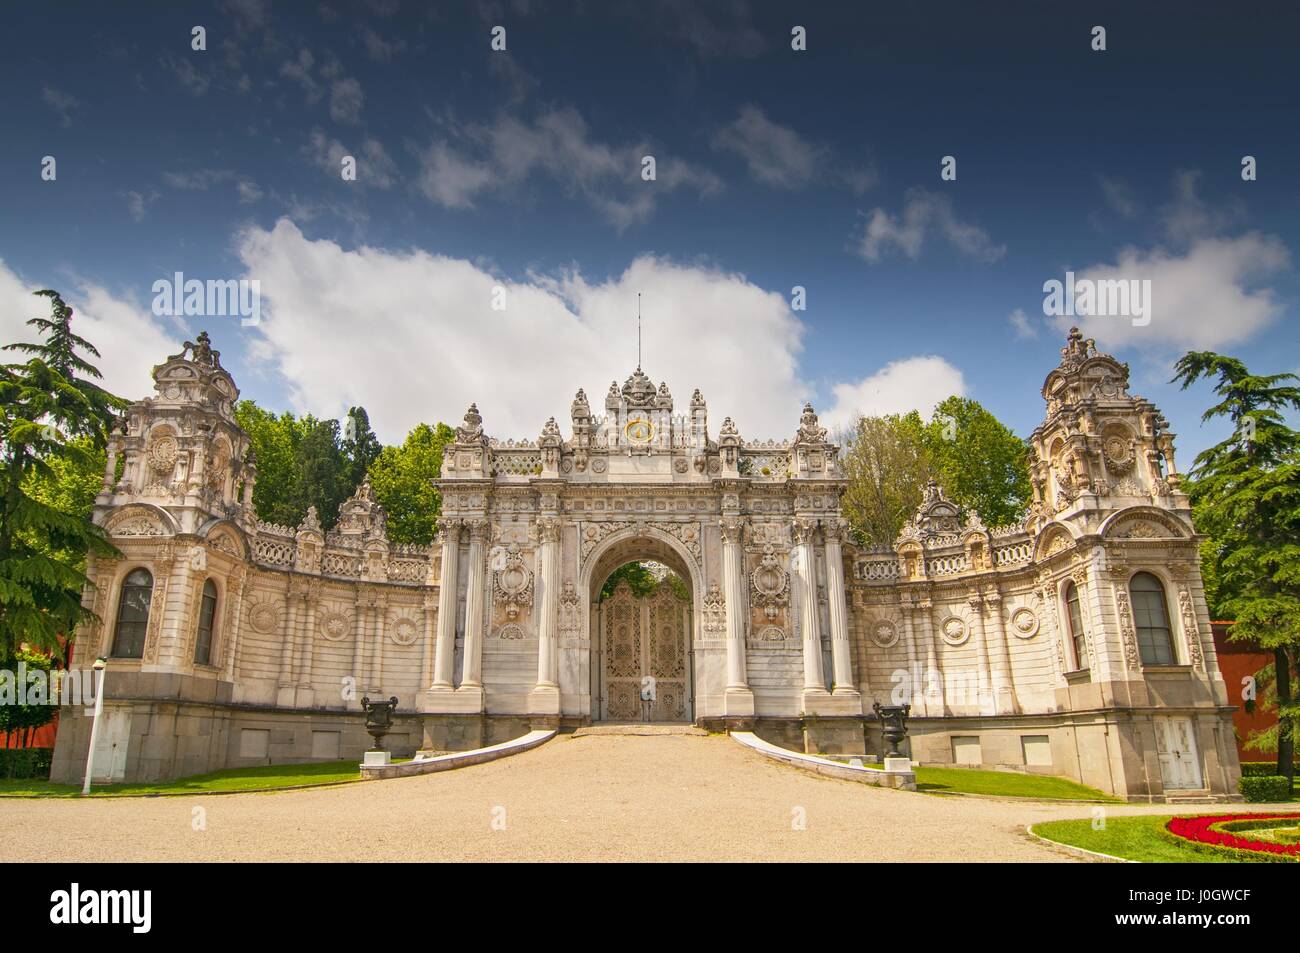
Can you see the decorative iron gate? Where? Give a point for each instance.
(644, 647)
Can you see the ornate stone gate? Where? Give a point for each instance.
(645, 656)
(1017, 646)
(753, 528)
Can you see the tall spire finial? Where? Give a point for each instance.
(638, 330)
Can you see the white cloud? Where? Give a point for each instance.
(63, 103)
(137, 203)
(1205, 299)
(913, 383)
(299, 70)
(924, 214)
(346, 100)
(130, 342)
(1188, 217)
(380, 49)
(374, 165)
(187, 74)
(1118, 196)
(412, 337)
(199, 180)
(778, 156)
(451, 180)
(502, 154)
(1021, 324)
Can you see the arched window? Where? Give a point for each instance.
(1151, 616)
(1077, 636)
(133, 614)
(207, 613)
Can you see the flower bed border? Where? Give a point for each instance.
(1201, 832)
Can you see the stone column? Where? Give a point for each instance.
(359, 641)
(235, 589)
(426, 660)
(916, 680)
(976, 602)
(475, 606)
(546, 694)
(1004, 699)
(309, 636)
(286, 694)
(288, 635)
(377, 657)
(813, 682)
(738, 698)
(841, 652)
(932, 680)
(448, 591)
(733, 592)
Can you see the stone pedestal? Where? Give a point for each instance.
(377, 758)
(898, 764)
(544, 700)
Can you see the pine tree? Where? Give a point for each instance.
(1245, 493)
(360, 445)
(52, 417)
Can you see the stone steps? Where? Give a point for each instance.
(633, 728)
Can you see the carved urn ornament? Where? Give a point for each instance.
(379, 719)
(893, 726)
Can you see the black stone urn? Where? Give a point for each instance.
(893, 726)
(379, 719)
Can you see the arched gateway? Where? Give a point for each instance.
(232, 641)
(756, 527)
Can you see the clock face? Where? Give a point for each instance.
(639, 430)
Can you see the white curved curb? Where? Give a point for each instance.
(1029, 828)
(457, 759)
(902, 780)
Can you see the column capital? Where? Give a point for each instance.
(733, 528)
(478, 529)
(548, 529)
(836, 530)
(804, 530)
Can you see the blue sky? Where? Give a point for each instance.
(775, 168)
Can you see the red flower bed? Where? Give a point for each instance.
(1201, 830)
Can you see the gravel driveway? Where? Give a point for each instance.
(592, 798)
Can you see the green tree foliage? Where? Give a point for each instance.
(300, 463)
(981, 465)
(403, 482)
(323, 470)
(360, 445)
(644, 581)
(1245, 493)
(887, 467)
(54, 421)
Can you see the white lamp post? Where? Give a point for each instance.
(94, 720)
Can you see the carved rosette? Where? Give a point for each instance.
(335, 624)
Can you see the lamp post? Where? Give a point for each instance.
(98, 668)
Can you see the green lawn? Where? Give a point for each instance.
(260, 778)
(1132, 838)
(1000, 784)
